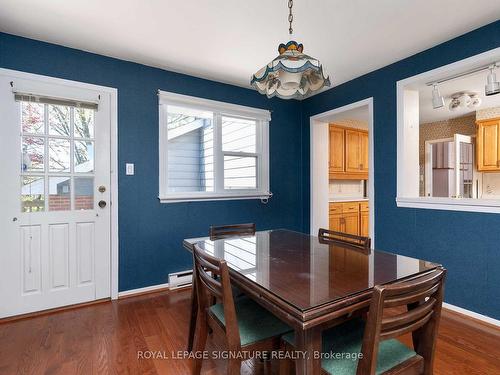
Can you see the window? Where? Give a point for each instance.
(57, 156)
(212, 150)
(449, 138)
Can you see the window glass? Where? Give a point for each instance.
(238, 135)
(190, 150)
(240, 172)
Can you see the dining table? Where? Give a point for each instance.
(308, 282)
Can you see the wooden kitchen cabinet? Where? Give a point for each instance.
(336, 222)
(364, 220)
(346, 217)
(348, 155)
(337, 142)
(488, 145)
(364, 224)
(351, 223)
(364, 151)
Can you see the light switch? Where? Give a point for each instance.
(129, 169)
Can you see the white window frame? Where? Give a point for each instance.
(407, 153)
(220, 109)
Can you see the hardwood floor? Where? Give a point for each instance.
(106, 338)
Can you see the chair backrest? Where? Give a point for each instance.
(327, 236)
(222, 231)
(422, 298)
(213, 283)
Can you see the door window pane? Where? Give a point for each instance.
(59, 155)
(59, 120)
(190, 150)
(238, 135)
(59, 193)
(84, 193)
(84, 156)
(84, 123)
(240, 172)
(32, 193)
(33, 149)
(32, 118)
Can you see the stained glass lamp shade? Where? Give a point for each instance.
(292, 74)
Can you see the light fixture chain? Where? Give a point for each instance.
(290, 16)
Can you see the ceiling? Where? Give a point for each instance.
(360, 115)
(473, 83)
(229, 40)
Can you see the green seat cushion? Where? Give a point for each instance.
(254, 322)
(346, 340)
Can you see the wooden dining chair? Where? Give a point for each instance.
(223, 231)
(243, 324)
(374, 342)
(330, 236)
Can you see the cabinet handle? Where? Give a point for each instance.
(498, 163)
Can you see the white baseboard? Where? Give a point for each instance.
(131, 292)
(447, 306)
(472, 314)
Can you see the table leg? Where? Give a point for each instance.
(194, 313)
(308, 341)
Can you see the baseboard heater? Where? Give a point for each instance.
(180, 279)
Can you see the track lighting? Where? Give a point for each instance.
(437, 99)
(492, 86)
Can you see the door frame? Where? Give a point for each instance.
(113, 92)
(319, 166)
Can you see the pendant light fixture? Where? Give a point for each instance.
(292, 74)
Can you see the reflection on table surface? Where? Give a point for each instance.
(305, 272)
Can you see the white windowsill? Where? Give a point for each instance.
(451, 204)
(213, 197)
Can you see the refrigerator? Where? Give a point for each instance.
(451, 168)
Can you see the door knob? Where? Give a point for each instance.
(102, 204)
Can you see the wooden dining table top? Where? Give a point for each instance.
(303, 273)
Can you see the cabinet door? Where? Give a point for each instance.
(336, 222)
(352, 151)
(488, 145)
(336, 162)
(364, 151)
(351, 223)
(364, 224)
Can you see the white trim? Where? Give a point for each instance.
(113, 92)
(472, 314)
(166, 97)
(213, 197)
(131, 292)
(403, 198)
(451, 204)
(371, 170)
(114, 194)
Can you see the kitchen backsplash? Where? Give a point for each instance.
(340, 189)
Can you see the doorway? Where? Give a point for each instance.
(58, 149)
(323, 185)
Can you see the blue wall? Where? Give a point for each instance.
(467, 244)
(151, 233)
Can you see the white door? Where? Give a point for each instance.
(55, 176)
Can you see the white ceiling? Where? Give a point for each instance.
(229, 40)
(474, 83)
(360, 114)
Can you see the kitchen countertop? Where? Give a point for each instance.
(340, 200)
